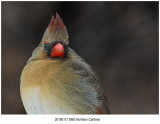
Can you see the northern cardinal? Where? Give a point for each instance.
(58, 81)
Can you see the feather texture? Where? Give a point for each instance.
(60, 86)
(73, 86)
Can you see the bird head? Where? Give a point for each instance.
(55, 39)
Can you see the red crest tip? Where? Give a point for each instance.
(56, 23)
(56, 31)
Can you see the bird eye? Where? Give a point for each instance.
(45, 46)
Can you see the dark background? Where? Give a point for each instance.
(119, 39)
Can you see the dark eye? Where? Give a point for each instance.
(45, 46)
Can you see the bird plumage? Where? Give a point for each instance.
(60, 85)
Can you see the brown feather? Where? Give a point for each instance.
(69, 84)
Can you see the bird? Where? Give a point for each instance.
(56, 80)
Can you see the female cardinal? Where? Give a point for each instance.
(58, 81)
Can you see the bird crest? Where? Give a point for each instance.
(56, 31)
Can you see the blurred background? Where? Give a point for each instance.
(119, 39)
